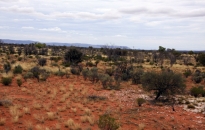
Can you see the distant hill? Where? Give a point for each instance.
(60, 44)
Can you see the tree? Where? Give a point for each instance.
(73, 56)
(164, 82)
(201, 59)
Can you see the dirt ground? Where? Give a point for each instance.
(61, 103)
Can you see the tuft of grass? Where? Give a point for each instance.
(190, 106)
(26, 110)
(2, 121)
(51, 116)
(72, 125)
(39, 118)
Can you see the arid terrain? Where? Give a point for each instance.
(68, 101)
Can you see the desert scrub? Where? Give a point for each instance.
(190, 106)
(187, 73)
(28, 75)
(140, 101)
(196, 91)
(18, 69)
(106, 122)
(19, 82)
(6, 81)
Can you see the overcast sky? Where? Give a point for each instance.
(138, 24)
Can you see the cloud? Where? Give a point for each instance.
(16, 9)
(55, 29)
(28, 28)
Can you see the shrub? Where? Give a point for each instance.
(106, 122)
(19, 82)
(60, 73)
(7, 67)
(73, 56)
(42, 61)
(136, 76)
(140, 101)
(196, 91)
(197, 76)
(110, 71)
(93, 74)
(90, 64)
(18, 69)
(28, 75)
(190, 106)
(36, 72)
(105, 80)
(201, 59)
(75, 70)
(20, 59)
(85, 73)
(187, 73)
(164, 82)
(6, 81)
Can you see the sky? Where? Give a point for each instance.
(138, 24)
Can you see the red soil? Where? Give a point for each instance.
(120, 104)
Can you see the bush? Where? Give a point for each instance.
(196, 91)
(187, 73)
(136, 76)
(164, 82)
(42, 61)
(18, 69)
(197, 76)
(20, 59)
(73, 56)
(19, 82)
(201, 59)
(140, 101)
(106, 122)
(6, 81)
(93, 74)
(28, 75)
(105, 80)
(190, 106)
(36, 72)
(85, 73)
(75, 70)
(7, 67)
(60, 73)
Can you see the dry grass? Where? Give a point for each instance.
(29, 125)
(61, 109)
(72, 125)
(39, 118)
(88, 112)
(51, 116)
(57, 126)
(26, 110)
(2, 121)
(39, 127)
(37, 106)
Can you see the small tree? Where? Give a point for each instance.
(165, 82)
(73, 56)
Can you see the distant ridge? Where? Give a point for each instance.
(60, 44)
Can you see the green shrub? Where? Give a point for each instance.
(18, 69)
(6, 81)
(19, 82)
(28, 75)
(106, 80)
(140, 101)
(196, 91)
(197, 76)
(187, 73)
(106, 122)
(85, 73)
(136, 76)
(75, 70)
(60, 73)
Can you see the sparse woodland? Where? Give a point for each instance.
(57, 87)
